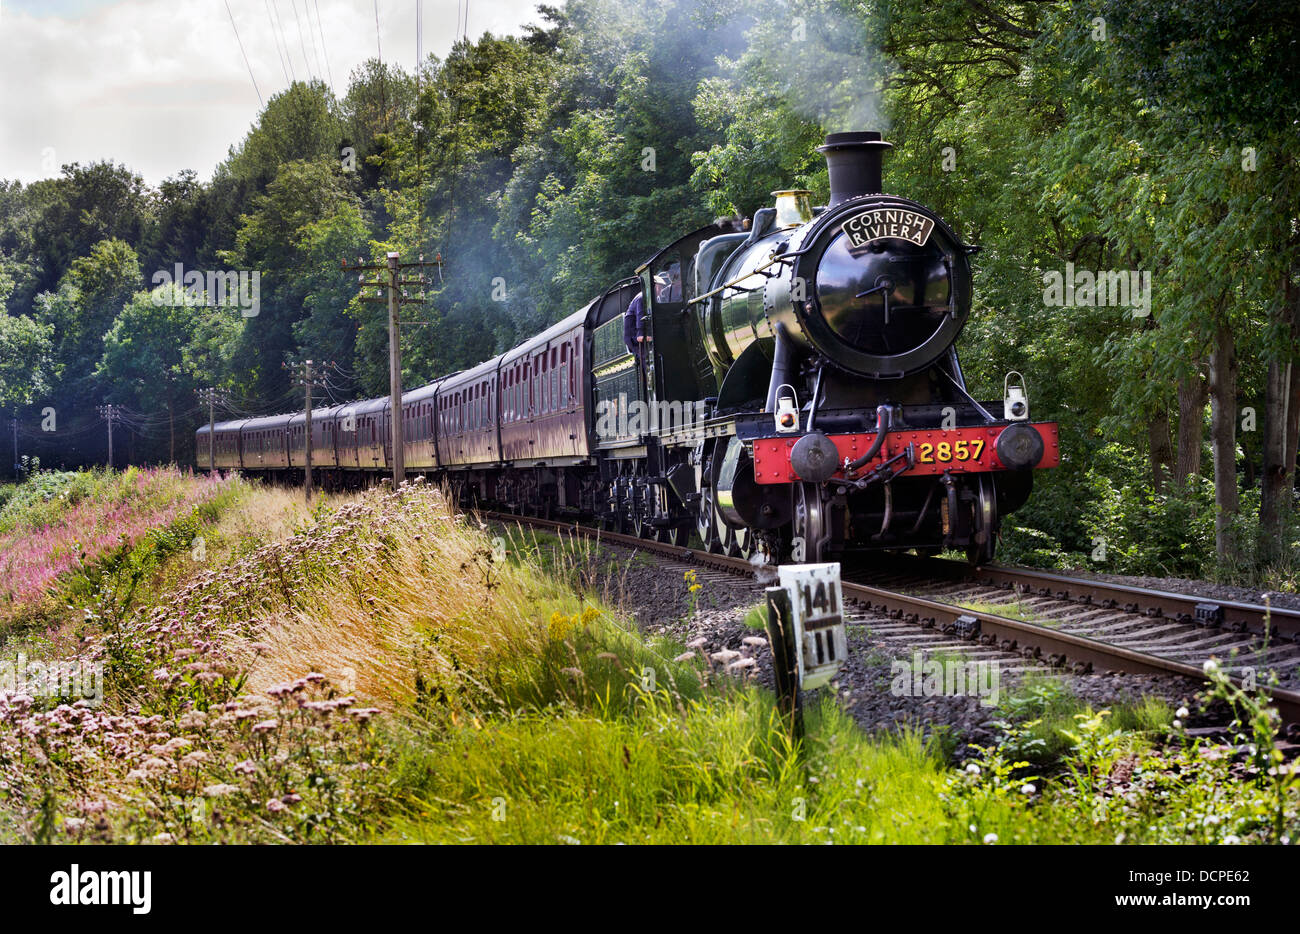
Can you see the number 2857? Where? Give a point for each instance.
(945, 452)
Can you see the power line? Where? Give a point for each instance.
(283, 38)
(383, 76)
(324, 51)
(276, 39)
(110, 412)
(259, 101)
(387, 280)
(305, 60)
(314, 54)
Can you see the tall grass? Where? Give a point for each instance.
(379, 668)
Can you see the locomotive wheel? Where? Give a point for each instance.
(678, 534)
(986, 523)
(725, 537)
(811, 526)
(740, 543)
(637, 520)
(708, 524)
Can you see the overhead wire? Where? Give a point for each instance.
(305, 60)
(314, 54)
(324, 51)
(245, 54)
(383, 83)
(285, 39)
(276, 39)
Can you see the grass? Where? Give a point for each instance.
(380, 669)
(1046, 712)
(1013, 610)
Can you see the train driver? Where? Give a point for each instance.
(634, 330)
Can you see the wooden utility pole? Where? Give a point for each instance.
(211, 395)
(388, 281)
(108, 412)
(395, 377)
(306, 383)
(308, 378)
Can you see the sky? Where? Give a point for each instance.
(161, 86)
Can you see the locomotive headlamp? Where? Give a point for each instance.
(787, 410)
(1015, 400)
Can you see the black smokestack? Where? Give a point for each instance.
(853, 160)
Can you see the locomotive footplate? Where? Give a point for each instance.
(976, 449)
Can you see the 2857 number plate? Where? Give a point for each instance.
(945, 452)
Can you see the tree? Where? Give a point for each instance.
(87, 205)
(89, 297)
(274, 239)
(159, 350)
(24, 357)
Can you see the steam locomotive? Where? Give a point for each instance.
(798, 394)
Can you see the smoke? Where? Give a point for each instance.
(825, 63)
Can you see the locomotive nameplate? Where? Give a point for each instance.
(886, 224)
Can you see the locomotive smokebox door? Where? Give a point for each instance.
(817, 605)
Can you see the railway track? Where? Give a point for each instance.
(1051, 620)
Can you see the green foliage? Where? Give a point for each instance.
(24, 359)
(551, 164)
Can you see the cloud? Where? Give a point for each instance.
(161, 86)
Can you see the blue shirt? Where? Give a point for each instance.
(634, 322)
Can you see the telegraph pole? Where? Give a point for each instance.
(109, 414)
(395, 377)
(17, 462)
(308, 377)
(211, 395)
(395, 298)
